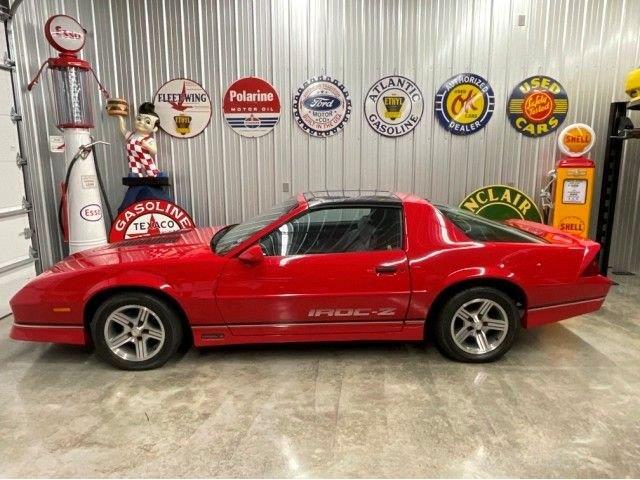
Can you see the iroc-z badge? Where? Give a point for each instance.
(322, 106)
(393, 106)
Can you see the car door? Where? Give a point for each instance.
(341, 268)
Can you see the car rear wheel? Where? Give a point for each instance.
(136, 331)
(477, 325)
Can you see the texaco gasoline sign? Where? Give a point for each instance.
(537, 106)
(464, 103)
(393, 106)
(184, 108)
(322, 106)
(147, 218)
(251, 107)
(501, 202)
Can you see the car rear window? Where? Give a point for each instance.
(481, 229)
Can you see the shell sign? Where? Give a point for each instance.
(576, 139)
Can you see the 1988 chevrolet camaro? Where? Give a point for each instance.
(323, 266)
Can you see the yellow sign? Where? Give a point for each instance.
(466, 103)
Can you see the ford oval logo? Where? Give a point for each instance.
(322, 103)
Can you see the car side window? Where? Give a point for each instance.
(337, 230)
(483, 230)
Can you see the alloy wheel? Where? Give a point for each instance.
(479, 326)
(134, 333)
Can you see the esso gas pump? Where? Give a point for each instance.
(574, 176)
(81, 208)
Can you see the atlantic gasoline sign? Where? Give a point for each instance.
(322, 106)
(251, 107)
(501, 202)
(184, 107)
(393, 106)
(537, 106)
(464, 103)
(147, 218)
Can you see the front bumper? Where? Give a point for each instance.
(71, 335)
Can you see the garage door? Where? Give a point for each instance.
(17, 264)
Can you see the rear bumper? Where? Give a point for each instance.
(554, 313)
(71, 335)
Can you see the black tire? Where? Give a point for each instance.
(444, 336)
(163, 317)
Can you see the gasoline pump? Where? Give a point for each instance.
(81, 205)
(572, 181)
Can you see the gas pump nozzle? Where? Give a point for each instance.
(85, 150)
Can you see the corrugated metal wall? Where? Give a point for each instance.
(136, 45)
(625, 247)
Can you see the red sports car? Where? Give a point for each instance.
(324, 266)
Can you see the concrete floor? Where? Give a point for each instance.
(564, 402)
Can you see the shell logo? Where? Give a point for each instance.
(576, 139)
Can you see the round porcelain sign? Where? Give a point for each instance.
(184, 107)
(322, 106)
(537, 106)
(464, 104)
(64, 33)
(251, 107)
(393, 106)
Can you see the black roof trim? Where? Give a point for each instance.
(351, 197)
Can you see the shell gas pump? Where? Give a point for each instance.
(574, 177)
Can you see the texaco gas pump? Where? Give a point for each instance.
(574, 177)
(70, 75)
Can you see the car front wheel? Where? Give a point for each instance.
(477, 325)
(136, 331)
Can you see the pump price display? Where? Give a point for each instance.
(574, 191)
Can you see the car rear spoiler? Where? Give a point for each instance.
(558, 237)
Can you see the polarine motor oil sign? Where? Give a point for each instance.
(251, 107)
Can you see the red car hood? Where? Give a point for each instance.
(148, 248)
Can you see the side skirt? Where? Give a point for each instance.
(210, 335)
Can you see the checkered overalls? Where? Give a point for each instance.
(140, 160)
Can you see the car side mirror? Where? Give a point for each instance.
(252, 255)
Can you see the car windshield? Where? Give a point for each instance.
(484, 230)
(239, 233)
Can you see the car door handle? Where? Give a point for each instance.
(386, 268)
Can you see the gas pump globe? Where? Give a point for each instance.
(74, 116)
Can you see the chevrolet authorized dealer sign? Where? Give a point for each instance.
(251, 107)
(501, 202)
(464, 104)
(147, 218)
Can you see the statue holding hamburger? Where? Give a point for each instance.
(145, 181)
(140, 144)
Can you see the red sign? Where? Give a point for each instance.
(251, 107)
(64, 33)
(147, 218)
